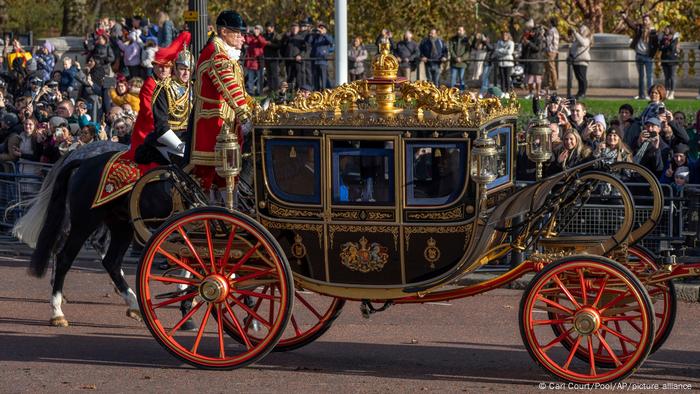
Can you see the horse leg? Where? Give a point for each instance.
(121, 234)
(64, 260)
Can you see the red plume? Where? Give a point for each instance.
(168, 54)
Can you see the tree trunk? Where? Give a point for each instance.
(4, 18)
(74, 18)
(175, 8)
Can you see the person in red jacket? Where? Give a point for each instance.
(162, 69)
(253, 61)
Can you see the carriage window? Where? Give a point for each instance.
(293, 170)
(363, 172)
(503, 136)
(435, 173)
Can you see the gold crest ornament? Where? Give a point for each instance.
(431, 252)
(298, 248)
(364, 257)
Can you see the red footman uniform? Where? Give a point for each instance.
(220, 97)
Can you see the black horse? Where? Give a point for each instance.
(63, 217)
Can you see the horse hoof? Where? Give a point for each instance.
(59, 321)
(188, 325)
(134, 314)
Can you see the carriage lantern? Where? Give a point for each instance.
(227, 154)
(539, 143)
(484, 168)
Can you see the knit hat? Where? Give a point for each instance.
(600, 119)
(682, 172)
(49, 46)
(681, 148)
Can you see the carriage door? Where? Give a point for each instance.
(362, 232)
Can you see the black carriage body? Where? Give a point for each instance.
(384, 208)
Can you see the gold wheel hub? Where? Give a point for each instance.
(214, 288)
(586, 321)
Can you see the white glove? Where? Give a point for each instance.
(247, 127)
(173, 144)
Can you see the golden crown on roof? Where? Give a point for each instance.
(385, 65)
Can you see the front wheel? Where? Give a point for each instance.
(223, 262)
(588, 293)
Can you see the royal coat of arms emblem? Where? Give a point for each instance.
(364, 257)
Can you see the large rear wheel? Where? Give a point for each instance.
(223, 262)
(591, 296)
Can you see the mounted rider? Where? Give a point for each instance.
(220, 97)
(172, 102)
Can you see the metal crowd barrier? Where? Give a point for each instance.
(19, 183)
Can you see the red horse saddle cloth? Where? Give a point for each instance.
(118, 178)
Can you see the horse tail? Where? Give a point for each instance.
(39, 229)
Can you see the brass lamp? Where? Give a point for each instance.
(484, 165)
(227, 154)
(539, 143)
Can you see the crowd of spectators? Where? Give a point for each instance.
(660, 140)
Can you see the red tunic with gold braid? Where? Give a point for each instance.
(219, 95)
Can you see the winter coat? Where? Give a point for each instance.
(580, 51)
(104, 57)
(459, 48)
(320, 45)
(668, 45)
(166, 33)
(534, 49)
(132, 50)
(357, 57)
(407, 50)
(274, 45)
(126, 98)
(293, 45)
(504, 53)
(433, 50)
(254, 51)
(45, 65)
(68, 78)
(148, 55)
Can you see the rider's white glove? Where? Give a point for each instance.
(173, 144)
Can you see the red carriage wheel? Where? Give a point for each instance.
(663, 295)
(592, 310)
(223, 259)
(312, 316)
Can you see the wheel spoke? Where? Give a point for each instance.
(254, 294)
(177, 261)
(583, 287)
(220, 330)
(251, 312)
(619, 335)
(243, 259)
(189, 314)
(227, 251)
(574, 348)
(296, 326)
(614, 301)
(600, 346)
(170, 279)
(555, 304)
(255, 309)
(556, 340)
(251, 276)
(210, 246)
(591, 356)
(635, 326)
(244, 336)
(552, 321)
(202, 326)
(183, 297)
(621, 318)
(600, 291)
(308, 305)
(604, 344)
(622, 343)
(191, 248)
(566, 292)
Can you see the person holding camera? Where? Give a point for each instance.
(45, 60)
(650, 147)
(253, 64)
(645, 44)
(293, 47)
(320, 44)
(679, 158)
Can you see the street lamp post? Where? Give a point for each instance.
(341, 39)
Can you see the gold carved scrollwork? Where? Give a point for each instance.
(452, 214)
(326, 100)
(341, 228)
(465, 228)
(442, 101)
(379, 215)
(317, 228)
(288, 212)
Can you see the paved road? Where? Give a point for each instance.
(465, 346)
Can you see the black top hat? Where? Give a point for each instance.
(231, 20)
